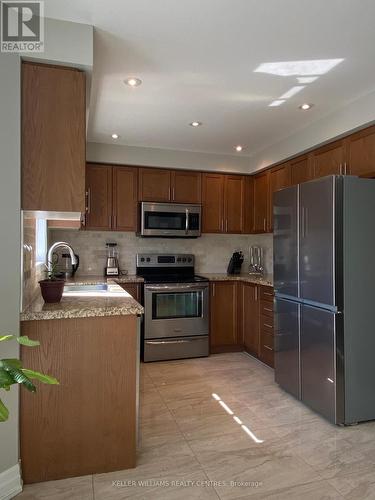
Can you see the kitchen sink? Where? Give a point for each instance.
(93, 290)
(99, 287)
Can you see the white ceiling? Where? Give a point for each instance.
(197, 60)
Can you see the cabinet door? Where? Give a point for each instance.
(261, 197)
(329, 160)
(249, 205)
(361, 153)
(250, 318)
(223, 326)
(301, 170)
(212, 203)
(132, 289)
(234, 191)
(125, 198)
(53, 138)
(154, 184)
(186, 186)
(99, 197)
(280, 177)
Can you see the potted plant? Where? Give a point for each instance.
(12, 372)
(52, 287)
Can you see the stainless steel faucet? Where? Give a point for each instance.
(60, 244)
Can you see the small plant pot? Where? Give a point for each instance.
(52, 290)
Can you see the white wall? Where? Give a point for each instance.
(357, 114)
(10, 246)
(130, 155)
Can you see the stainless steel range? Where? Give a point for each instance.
(176, 320)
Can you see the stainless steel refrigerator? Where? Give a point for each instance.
(324, 278)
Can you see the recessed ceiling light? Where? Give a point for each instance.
(115, 136)
(306, 106)
(238, 148)
(133, 82)
(195, 124)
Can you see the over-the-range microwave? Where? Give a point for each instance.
(170, 220)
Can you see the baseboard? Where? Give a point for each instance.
(10, 483)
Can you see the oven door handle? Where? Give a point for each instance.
(179, 341)
(178, 288)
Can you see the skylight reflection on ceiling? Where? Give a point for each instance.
(298, 68)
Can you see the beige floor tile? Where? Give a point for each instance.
(357, 486)
(76, 488)
(317, 490)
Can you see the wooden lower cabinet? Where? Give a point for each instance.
(224, 334)
(250, 317)
(133, 289)
(242, 319)
(88, 423)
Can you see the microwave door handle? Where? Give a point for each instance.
(187, 221)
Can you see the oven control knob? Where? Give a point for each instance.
(142, 259)
(148, 259)
(190, 259)
(178, 259)
(184, 259)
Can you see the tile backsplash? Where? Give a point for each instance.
(212, 251)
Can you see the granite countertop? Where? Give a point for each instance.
(120, 304)
(265, 280)
(93, 280)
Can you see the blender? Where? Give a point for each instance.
(112, 267)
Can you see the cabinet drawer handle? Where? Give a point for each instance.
(268, 326)
(268, 293)
(268, 347)
(88, 200)
(267, 309)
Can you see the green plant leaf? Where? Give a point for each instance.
(24, 340)
(5, 379)
(4, 412)
(41, 377)
(10, 363)
(19, 377)
(6, 337)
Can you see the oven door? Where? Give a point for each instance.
(170, 220)
(176, 310)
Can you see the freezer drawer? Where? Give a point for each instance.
(318, 366)
(287, 346)
(317, 241)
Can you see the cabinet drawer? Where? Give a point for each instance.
(266, 308)
(266, 293)
(267, 348)
(266, 324)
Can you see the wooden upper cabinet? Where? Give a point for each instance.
(125, 181)
(98, 197)
(249, 205)
(261, 202)
(212, 203)
(329, 160)
(301, 170)
(224, 314)
(280, 177)
(154, 184)
(361, 153)
(186, 186)
(53, 141)
(250, 317)
(234, 193)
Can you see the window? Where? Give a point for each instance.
(41, 241)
